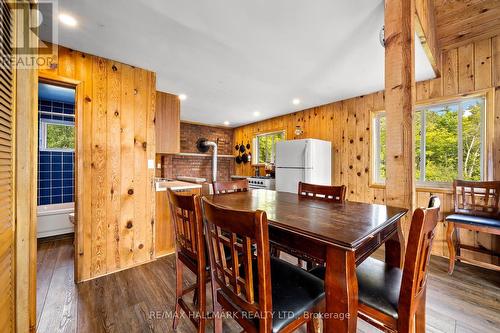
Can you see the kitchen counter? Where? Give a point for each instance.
(239, 177)
(196, 180)
(175, 185)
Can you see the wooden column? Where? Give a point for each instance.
(399, 103)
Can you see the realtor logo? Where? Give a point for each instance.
(34, 37)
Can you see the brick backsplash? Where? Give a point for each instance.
(200, 166)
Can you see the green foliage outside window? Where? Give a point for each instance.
(267, 146)
(442, 142)
(59, 136)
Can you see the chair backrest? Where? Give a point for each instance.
(240, 185)
(477, 198)
(329, 193)
(235, 231)
(434, 201)
(417, 258)
(188, 225)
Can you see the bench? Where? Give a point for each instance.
(477, 209)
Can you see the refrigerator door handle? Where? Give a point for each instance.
(308, 155)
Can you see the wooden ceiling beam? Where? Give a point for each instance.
(425, 27)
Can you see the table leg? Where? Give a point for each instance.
(395, 248)
(341, 287)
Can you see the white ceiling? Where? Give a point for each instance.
(234, 57)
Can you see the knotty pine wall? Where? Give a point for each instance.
(346, 124)
(115, 130)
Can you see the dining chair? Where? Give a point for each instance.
(323, 192)
(476, 208)
(253, 286)
(312, 191)
(393, 299)
(240, 185)
(191, 253)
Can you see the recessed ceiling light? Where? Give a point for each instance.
(67, 20)
(296, 101)
(256, 113)
(182, 97)
(226, 123)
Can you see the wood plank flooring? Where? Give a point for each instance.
(141, 298)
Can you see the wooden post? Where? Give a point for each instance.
(399, 102)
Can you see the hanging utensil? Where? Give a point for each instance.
(238, 159)
(248, 145)
(237, 147)
(244, 158)
(242, 147)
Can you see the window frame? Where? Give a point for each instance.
(43, 134)
(374, 147)
(487, 120)
(256, 156)
(421, 182)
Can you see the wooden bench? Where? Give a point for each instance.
(476, 209)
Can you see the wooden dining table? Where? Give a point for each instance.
(340, 234)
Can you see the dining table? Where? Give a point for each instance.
(341, 235)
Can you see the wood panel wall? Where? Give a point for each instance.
(116, 138)
(471, 67)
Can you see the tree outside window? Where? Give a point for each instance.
(57, 136)
(449, 142)
(266, 146)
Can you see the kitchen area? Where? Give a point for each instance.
(191, 156)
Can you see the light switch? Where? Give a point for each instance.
(151, 164)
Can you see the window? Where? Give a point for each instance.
(265, 146)
(57, 135)
(449, 142)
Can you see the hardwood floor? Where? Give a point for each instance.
(140, 299)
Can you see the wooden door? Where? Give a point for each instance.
(7, 273)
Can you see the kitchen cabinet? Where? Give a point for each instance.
(168, 123)
(164, 231)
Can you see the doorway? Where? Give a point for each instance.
(55, 204)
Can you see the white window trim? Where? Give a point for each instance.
(256, 156)
(376, 144)
(43, 134)
(421, 183)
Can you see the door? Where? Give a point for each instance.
(7, 274)
(291, 154)
(287, 179)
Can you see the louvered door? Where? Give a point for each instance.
(7, 276)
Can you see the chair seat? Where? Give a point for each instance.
(474, 220)
(378, 285)
(294, 292)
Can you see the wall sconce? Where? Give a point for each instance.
(298, 130)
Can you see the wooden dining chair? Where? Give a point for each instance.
(477, 208)
(323, 192)
(319, 192)
(393, 299)
(240, 185)
(191, 253)
(252, 285)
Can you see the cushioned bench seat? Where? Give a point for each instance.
(474, 220)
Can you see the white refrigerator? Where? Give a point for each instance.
(307, 160)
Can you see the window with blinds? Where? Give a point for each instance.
(7, 275)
